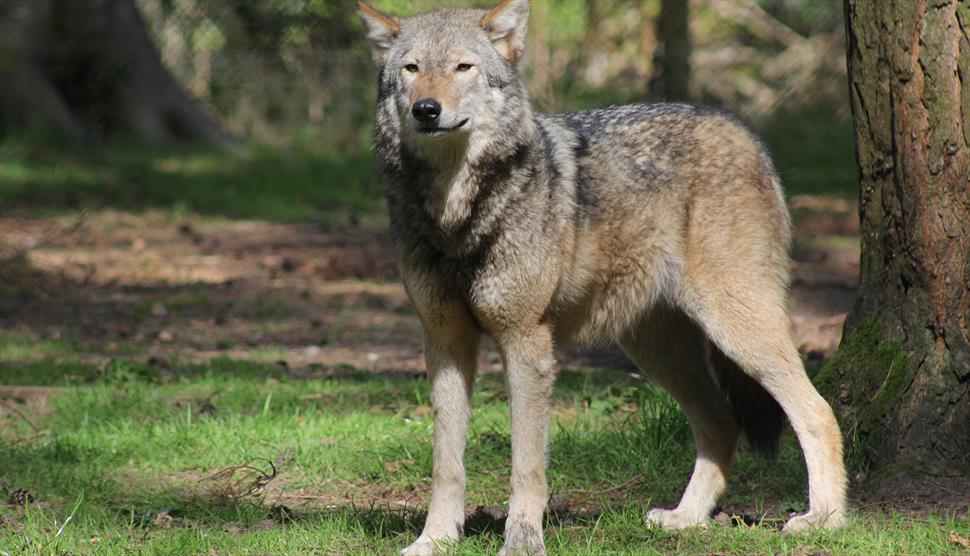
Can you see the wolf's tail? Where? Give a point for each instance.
(757, 412)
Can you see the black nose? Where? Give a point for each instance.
(426, 110)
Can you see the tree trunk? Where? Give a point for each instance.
(901, 378)
(88, 69)
(671, 80)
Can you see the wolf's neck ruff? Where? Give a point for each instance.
(455, 212)
(458, 179)
(460, 186)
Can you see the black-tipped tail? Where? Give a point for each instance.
(757, 412)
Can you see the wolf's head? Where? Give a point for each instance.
(448, 79)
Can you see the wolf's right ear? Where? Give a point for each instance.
(505, 24)
(382, 29)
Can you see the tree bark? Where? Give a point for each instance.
(901, 378)
(87, 70)
(671, 79)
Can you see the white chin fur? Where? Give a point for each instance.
(442, 148)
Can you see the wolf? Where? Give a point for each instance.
(659, 227)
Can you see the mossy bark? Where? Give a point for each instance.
(901, 379)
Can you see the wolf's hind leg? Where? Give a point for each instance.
(671, 350)
(750, 325)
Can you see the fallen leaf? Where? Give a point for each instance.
(163, 519)
(960, 540)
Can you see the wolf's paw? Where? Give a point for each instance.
(427, 546)
(674, 519)
(815, 519)
(522, 539)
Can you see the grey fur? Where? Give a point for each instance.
(661, 227)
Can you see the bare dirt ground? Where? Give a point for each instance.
(182, 288)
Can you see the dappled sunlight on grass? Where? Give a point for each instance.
(21, 348)
(264, 184)
(133, 455)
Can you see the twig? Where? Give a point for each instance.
(636, 479)
(884, 382)
(254, 487)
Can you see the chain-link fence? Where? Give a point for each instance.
(298, 71)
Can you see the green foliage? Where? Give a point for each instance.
(814, 150)
(274, 70)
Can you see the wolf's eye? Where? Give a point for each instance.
(463, 67)
(411, 68)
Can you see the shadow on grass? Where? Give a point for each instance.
(92, 453)
(50, 325)
(264, 184)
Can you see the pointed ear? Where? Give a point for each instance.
(506, 25)
(382, 29)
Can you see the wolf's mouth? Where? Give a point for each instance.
(436, 131)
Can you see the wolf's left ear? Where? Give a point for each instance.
(505, 24)
(382, 29)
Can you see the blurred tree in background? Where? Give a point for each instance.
(293, 80)
(88, 69)
(671, 79)
(289, 71)
(274, 70)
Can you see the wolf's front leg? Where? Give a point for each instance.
(451, 357)
(530, 376)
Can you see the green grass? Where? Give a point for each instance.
(19, 347)
(264, 184)
(125, 444)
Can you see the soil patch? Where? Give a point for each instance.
(158, 287)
